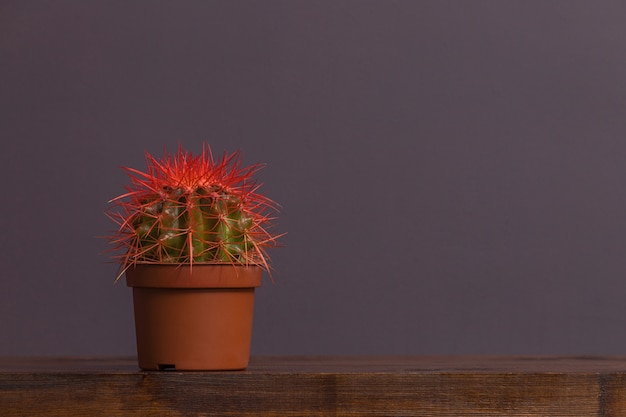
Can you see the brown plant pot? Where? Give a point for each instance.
(193, 319)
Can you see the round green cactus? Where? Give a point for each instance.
(193, 209)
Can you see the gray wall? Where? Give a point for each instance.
(451, 172)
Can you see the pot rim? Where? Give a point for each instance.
(205, 275)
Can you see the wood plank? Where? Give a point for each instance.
(320, 386)
(343, 364)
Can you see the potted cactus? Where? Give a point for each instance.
(191, 240)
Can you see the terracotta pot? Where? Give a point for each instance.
(193, 319)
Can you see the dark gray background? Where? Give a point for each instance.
(452, 173)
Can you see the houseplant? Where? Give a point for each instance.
(191, 240)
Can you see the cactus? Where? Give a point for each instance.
(188, 209)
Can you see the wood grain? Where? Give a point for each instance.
(320, 386)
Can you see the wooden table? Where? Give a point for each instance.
(320, 386)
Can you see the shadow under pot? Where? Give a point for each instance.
(195, 318)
